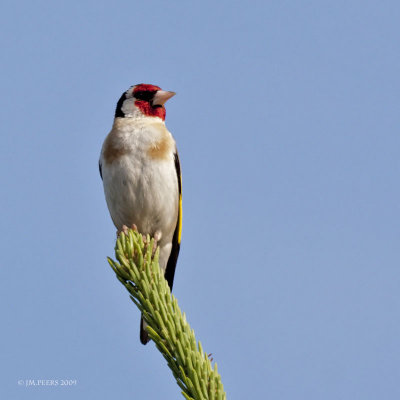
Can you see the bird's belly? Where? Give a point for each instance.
(144, 194)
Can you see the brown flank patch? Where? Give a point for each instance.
(162, 148)
(111, 150)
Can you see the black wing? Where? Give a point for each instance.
(176, 240)
(101, 174)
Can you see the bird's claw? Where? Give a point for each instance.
(157, 237)
(125, 229)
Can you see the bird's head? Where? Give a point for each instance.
(143, 100)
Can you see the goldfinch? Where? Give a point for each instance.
(141, 174)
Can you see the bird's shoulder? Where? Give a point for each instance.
(113, 146)
(163, 144)
(147, 135)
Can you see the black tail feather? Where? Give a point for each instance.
(144, 336)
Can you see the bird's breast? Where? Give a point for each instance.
(140, 182)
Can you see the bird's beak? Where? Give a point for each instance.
(161, 97)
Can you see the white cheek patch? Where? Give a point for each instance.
(128, 107)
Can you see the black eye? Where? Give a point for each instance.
(144, 95)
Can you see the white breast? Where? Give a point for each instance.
(140, 182)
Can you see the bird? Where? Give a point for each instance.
(141, 173)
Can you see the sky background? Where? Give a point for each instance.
(287, 124)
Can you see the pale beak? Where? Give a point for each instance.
(161, 97)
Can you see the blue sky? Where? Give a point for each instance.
(286, 119)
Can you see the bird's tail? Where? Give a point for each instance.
(144, 336)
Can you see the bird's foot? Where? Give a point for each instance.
(125, 229)
(157, 237)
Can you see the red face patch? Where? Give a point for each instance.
(145, 106)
